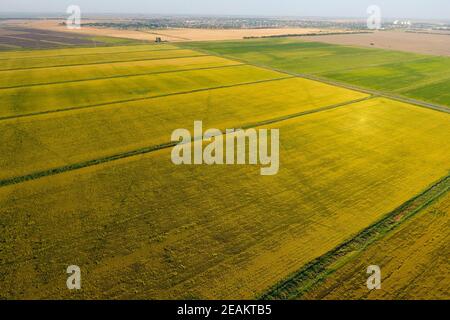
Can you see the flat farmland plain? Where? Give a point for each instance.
(91, 129)
(422, 77)
(14, 38)
(47, 141)
(30, 77)
(82, 51)
(427, 42)
(87, 94)
(30, 62)
(235, 233)
(413, 258)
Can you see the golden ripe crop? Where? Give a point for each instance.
(413, 260)
(144, 228)
(63, 96)
(82, 51)
(47, 141)
(41, 61)
(27, 77)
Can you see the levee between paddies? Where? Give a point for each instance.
(44, 142)
(414, 260)
(142, 227)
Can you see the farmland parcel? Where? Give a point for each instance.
(86, 176)
(135, 238)
(412, 75)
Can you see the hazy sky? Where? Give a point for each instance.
(439, 9)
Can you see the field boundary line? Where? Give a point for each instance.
(119, 76)
(103, 62)
(419, 103)
(317, 270)
(34, 114)
(145, 150)
(85, 54)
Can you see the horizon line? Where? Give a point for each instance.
(59, 14)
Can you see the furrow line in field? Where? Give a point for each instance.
(40, 113)
(89, 163)
(119, 76)
(317, 270)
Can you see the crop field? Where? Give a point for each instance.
(64, 52)
(42, 142)
(13, 38)
(27, 77)
(9, 64)
(212, 244)
(86, 176)
(75, 95)
(414, 260)
(417, 76)
(421, 42)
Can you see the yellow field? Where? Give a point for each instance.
(235, 233)
(82, 51)
(43, 142)
(12, 63)
(30, 100)
(141, 227)
(86, 72)
(413, 260)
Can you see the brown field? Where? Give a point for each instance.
(435, 44)
(229, 34)
(22, 37)
(9, 32)
(170, 34)
(54, 25)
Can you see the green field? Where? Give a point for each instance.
(135, 238)
(416, 76)
(86, 176)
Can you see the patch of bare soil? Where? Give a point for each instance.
(228, 34)
(172, 35)
(434, 44)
